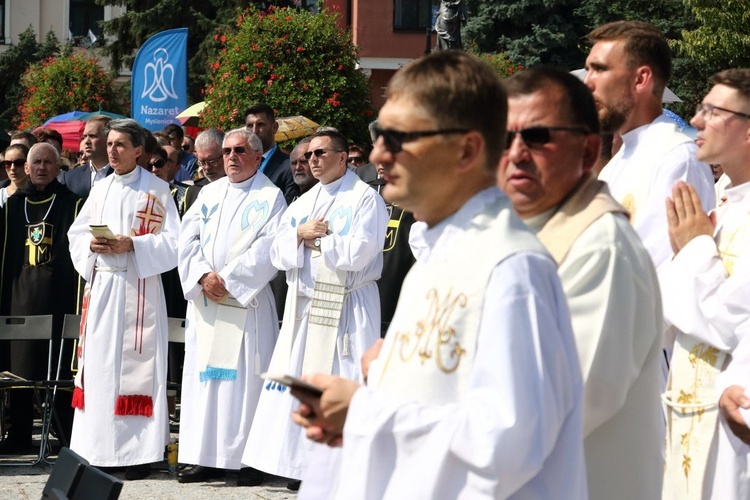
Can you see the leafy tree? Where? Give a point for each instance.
(62, 84)
(721, 38)
(298, 63)
(145, 18)
(528, 31)
(13, 64)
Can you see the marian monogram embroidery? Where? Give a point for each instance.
(433, 336)
(39, 243)
(254, 215)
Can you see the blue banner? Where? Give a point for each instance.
(159, 81)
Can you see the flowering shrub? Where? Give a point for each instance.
(499, 61)
(70, 82)
(298, 63)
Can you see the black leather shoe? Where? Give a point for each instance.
(293, 485)
(247, 476)
(199, 474)
(136, 472)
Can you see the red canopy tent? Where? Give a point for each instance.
(72, 131)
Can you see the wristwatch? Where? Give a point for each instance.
(316, 243)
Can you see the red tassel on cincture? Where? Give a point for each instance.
(134, 405)
(77, 398)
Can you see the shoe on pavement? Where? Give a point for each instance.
(199, 474)
(136, 472)
(247, 476)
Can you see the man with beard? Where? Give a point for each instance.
(38, 277)
(628, 68)
(303, 178)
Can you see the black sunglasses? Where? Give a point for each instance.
(394, 139)
(240, 150)
(355, 159)
(320, 152)
(15, 163)
(186, 147)
(538, 136)
(156, 163)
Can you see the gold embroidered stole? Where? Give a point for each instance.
(431, 344)
(691, 396)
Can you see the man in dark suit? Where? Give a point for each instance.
(260, 120)
(81, 179)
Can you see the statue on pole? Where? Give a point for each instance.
(450, 17)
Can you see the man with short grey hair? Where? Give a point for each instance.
(225, 267)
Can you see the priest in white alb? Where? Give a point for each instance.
(706, 294)
(225, 268)
(606, 273)
(476, 390)
(120, 397)
(330, 244)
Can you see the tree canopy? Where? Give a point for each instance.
(13, 64)
(298, 63)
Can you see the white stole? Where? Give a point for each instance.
(634, 186)
(691, 396)
(220, 326)
(432, 342)
(329, 294)
(141, 298)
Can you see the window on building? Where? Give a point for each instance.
(413, 14)
(84, 16)
(2, 21)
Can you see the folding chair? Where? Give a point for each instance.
(17, 328)
(95, 484)
(65, 474)
(70, 332)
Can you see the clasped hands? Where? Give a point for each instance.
(685, 216)
(213, 287)
(121, 244)
(308, 232)
(324, 417)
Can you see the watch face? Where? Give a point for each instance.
(317, 242)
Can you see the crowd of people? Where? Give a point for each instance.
(536, 288)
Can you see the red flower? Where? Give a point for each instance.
(259, 65)
(248, 79)
(300, 49)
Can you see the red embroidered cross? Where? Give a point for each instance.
(150, 217)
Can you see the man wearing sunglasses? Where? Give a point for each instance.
(225, 267)
(38, 277)
(628, 68)
(330, 243)
(476, 391)
(607, 275)
(706, 293)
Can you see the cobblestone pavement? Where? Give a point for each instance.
(22, 483)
